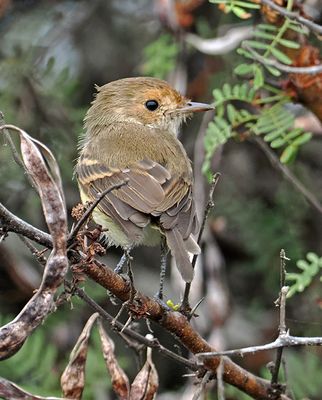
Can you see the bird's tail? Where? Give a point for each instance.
(180, 250)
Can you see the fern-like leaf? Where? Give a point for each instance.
(309, 269)
(218, 132)
(276, 125)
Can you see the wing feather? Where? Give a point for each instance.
(150, 191)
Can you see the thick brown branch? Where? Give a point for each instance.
(135, 335)
(177, 324)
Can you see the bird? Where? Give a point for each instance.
(130, 136)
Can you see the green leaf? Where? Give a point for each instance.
(243, 91)
(236, 91)
(280, 56)
(288, 154)
(264, 35)
(258, 77)
(245, 53)
(290, 44)
(245, 4)
(218, 96)
(306, 137)
(240, 12)
(231, 113)
(279, 142)
(293, 134)
(267, 27)
(251, 94)
(274, 71)
(243, 69)
(309, 269)
(244, 113)
(313, 258)
(298, 28)
(226, 90)
(256, 45)
(269, 137)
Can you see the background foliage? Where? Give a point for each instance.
(52, 54)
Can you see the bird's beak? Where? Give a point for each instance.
(192, 107)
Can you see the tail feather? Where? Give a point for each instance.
(191, 245)
(178, 250)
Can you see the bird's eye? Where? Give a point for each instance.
(151, 105)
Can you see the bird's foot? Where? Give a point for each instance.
(126, 258)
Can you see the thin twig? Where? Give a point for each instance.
(14, 224)
(293, 16)
(309, 196)
(34, 251)
(210, 204)
(90, 209)
(134, 335)
(282, 341)
(282, 327)
(282, 324)
(220, 382)
(202, 386)
(311, 70)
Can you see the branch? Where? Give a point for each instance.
(34, 251)
(309, 196)
(312, 70)
(295, 16)
(135, 335)
(281, 303)
(285, 340)
(11, 223)
(175, 323)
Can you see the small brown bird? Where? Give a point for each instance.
(131, 133)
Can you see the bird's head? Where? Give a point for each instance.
(147, 101)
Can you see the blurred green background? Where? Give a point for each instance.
(51, 55)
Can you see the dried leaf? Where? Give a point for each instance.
(9, 391)
(73, 378)
(120, 381)
(45, 175)
(146, 383)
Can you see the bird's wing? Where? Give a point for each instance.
(150, 190)
(131, 204)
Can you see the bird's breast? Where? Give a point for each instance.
(122, 145)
